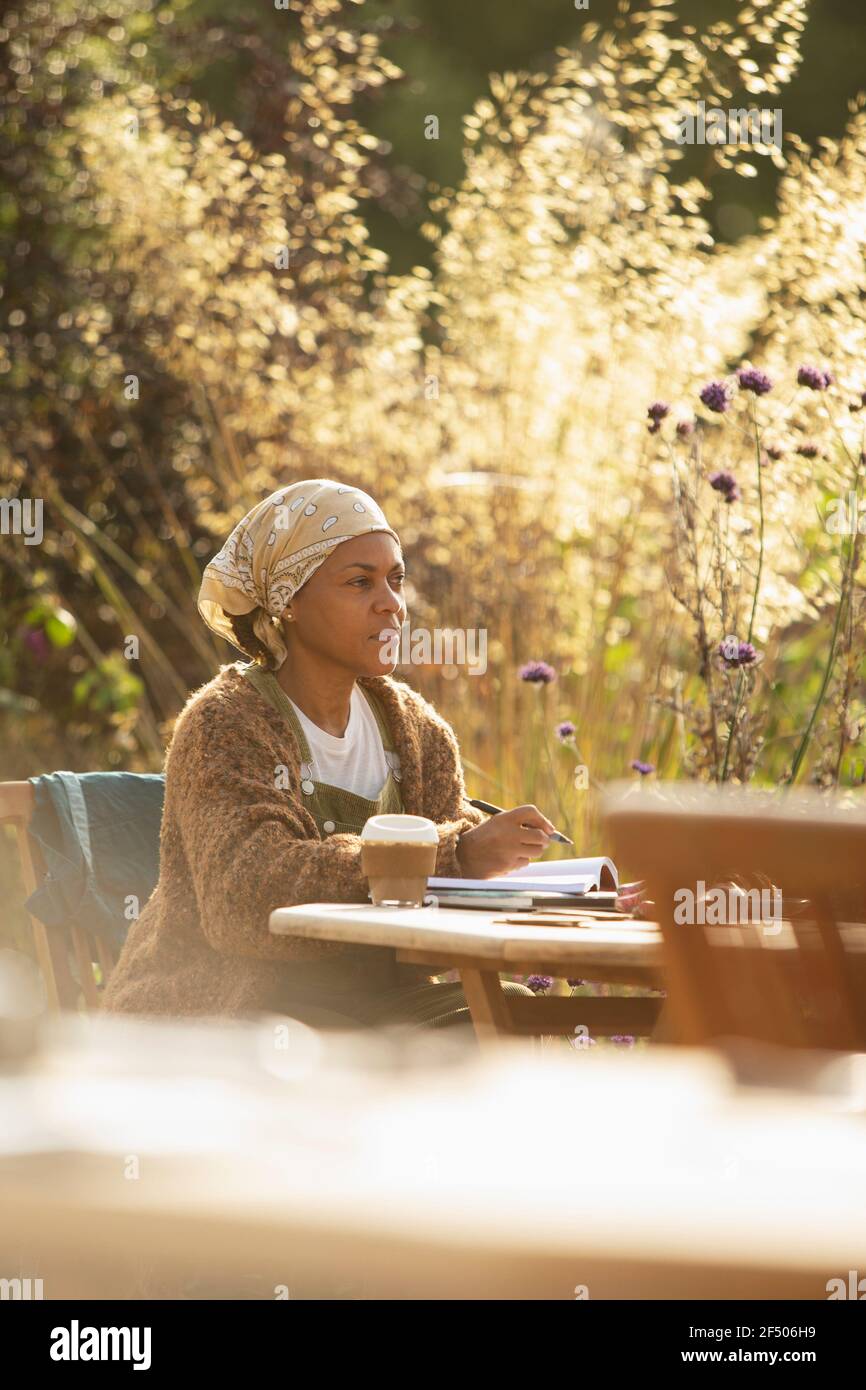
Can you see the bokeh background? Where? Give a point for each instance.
(232, 256)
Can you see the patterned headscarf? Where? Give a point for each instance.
(275, 548)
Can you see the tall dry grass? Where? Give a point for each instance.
(498, 407)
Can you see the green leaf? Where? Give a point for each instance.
(60, 629)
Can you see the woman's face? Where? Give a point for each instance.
(348, 601)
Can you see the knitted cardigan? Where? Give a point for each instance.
(234, 845)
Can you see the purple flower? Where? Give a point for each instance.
(734, 655)
(565, 731)
(538, 983)
(37, 643)
(814, 378)
(716, 396)
(685, 428)
(538, 672)
(750, 379)
(726, 484)
(574, 983)
(808, 450)
(643, 768)
(657, 412)
(623, 1038)
(773, 451)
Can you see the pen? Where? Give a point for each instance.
(495, 811)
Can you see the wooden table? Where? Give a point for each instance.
(480, 945)
(342, 1166)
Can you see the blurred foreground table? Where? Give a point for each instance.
(142, 1160)
(480, 945)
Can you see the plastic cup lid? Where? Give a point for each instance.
(396, 827)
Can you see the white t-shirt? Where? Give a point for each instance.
(356, 762)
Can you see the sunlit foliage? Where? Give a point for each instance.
(497, 408)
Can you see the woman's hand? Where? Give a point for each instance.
(509, 840)
(631, 898)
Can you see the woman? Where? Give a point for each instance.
(275, 765)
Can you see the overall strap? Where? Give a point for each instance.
(375, 705)
(266, 683)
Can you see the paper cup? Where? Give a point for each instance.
(398, 854)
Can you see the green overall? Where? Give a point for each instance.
(367, 986)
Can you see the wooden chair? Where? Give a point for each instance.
(89, 949)
(801, 983)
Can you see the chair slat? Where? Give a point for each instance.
(84, 954)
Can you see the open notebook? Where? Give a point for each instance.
(560, 876)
